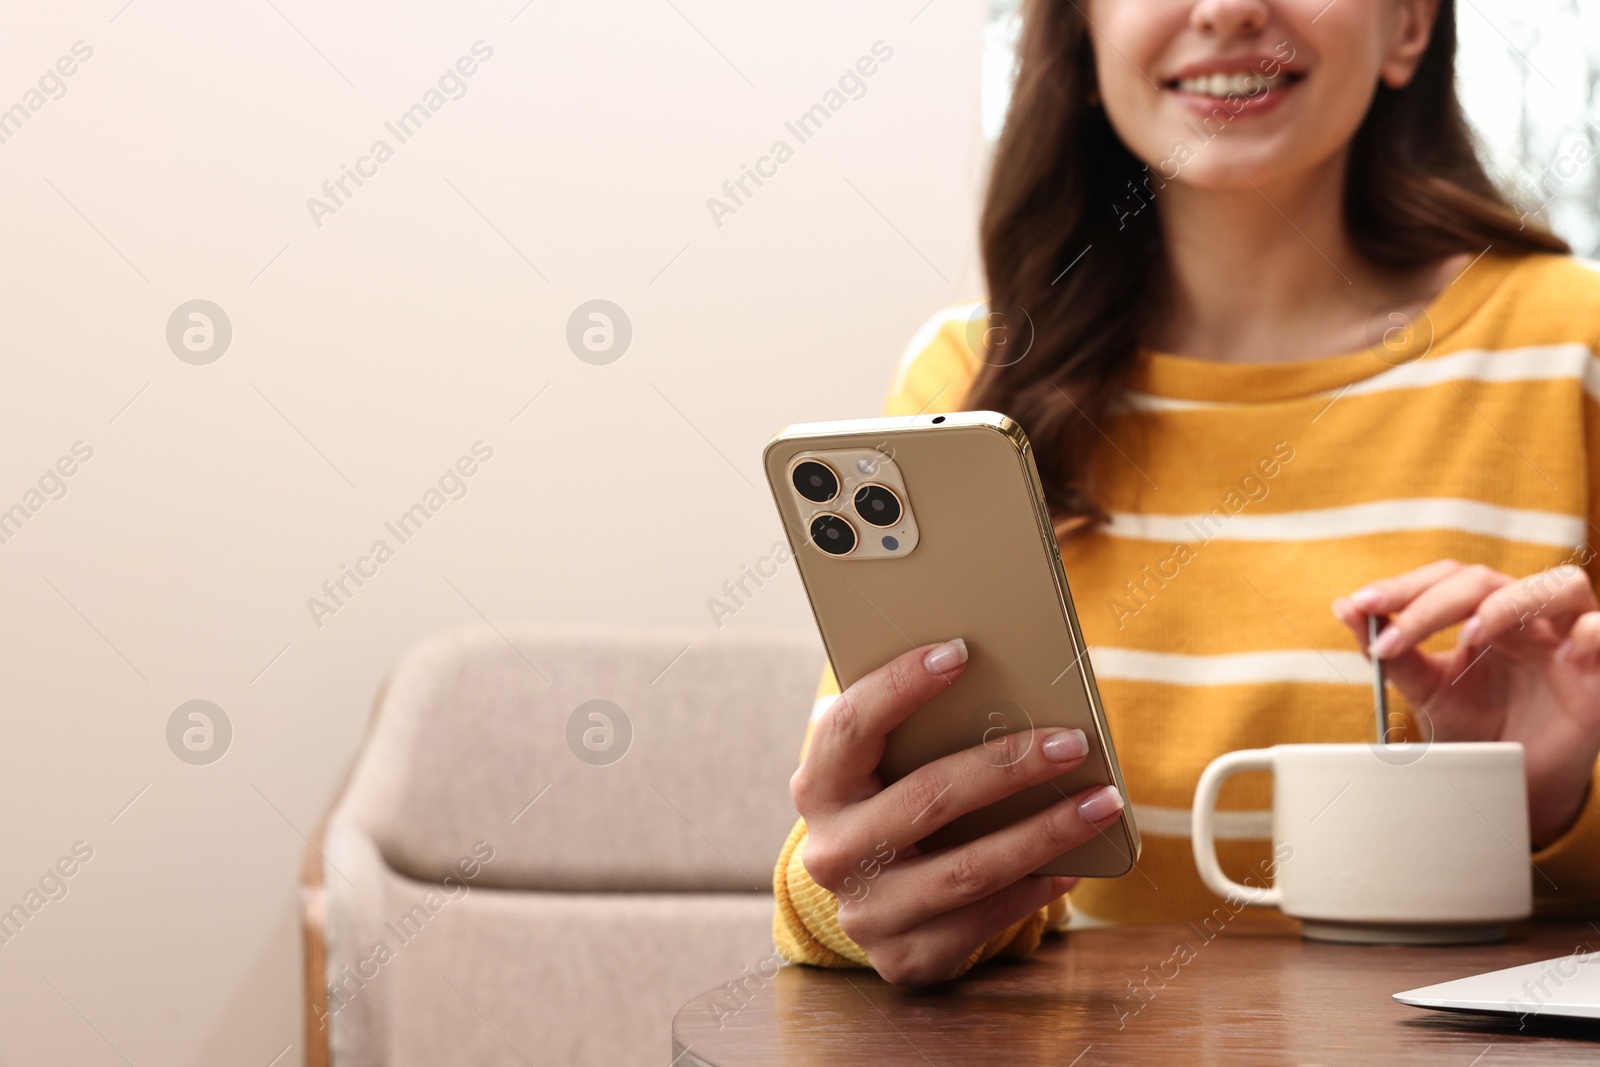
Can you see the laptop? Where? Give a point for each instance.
(1567, 987)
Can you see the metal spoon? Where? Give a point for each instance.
(1380, 695)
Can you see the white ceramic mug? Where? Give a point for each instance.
(1430, 849)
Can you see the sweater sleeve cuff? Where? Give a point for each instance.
(1567, 871)
(805, 925)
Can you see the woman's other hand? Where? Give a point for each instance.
(1526, 668)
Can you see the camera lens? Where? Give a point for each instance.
(833, 535)
(815, 481)
(877, 505)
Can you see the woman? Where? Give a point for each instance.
(1277, 342)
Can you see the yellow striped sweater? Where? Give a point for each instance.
(1243, 499)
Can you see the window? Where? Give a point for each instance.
(1529, 78)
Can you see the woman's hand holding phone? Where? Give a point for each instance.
(920, 917)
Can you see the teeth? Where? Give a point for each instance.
(1224, 85)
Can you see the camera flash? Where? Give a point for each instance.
(866, 466)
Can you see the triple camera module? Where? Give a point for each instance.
(858, 503)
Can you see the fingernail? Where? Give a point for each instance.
(1386, 643)
(1563, 654)
(1101, 804)
(1366, 598)
(1064, 746)
(1469, 632)
(942, 659)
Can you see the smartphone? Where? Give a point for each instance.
(922, 528)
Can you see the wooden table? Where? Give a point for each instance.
(1141, 994)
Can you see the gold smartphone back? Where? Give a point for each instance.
(974, 556)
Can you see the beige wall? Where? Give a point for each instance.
(371, 353)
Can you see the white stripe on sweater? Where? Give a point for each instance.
(1226, 825)
(1325, 666)
(1356, 520)
(1570, 362)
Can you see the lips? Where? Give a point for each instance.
(1245, 85)
(1225, 85)
(1239, 76)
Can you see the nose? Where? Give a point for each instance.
(1229, 18)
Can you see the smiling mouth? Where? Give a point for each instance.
(1245, 84)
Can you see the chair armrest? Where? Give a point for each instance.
(343, 917)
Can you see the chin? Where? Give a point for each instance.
(1220, 175)
(1223, 164)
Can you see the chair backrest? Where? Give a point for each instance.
(587, 759)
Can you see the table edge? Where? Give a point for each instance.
(683, 1057)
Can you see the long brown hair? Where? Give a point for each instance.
(1416, 192)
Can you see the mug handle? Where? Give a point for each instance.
(1204, 837)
